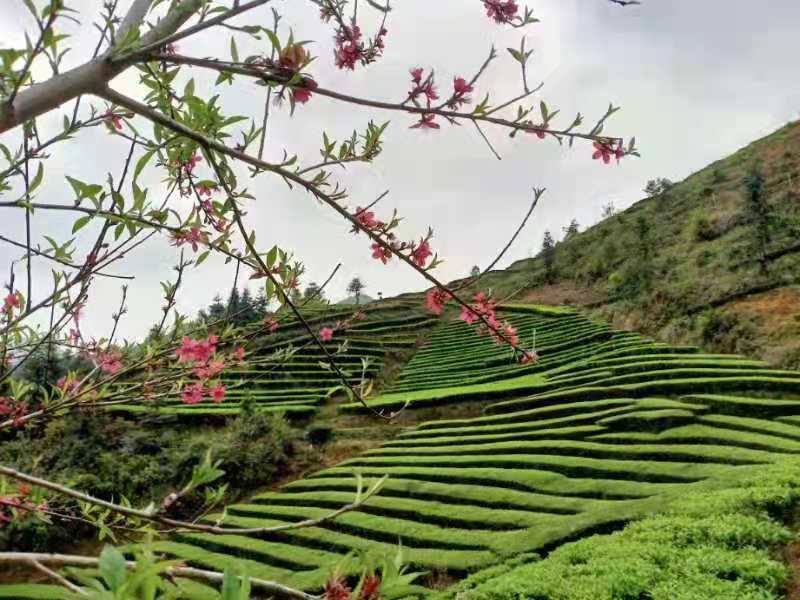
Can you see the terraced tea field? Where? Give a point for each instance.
(284, 371)
(607, 426)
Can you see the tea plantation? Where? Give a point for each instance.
(606, 427)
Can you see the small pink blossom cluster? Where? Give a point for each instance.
(418, 252)
(423, 88)
(607, 150)
(109, 361)
(211, 215)
(13, 409)
(350, 48)
(501, 11)
(483, 312)
(206, 364)
(194, 237)
(326, 333)
(12, 301)
(68, 385)
(271, 324)
(188, 166)
(19, 506)
(461, 87)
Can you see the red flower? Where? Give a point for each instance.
(460, 86)
(371, 588)
(210, 369)
(460, 90)
(218, 393)
(192, 393)
(337, 589)
(606, 150)
(115, 120)
(238, 354)
(303, 94)
(421, 253)
(24, 490)
(206, 190)
(199, 351)
(435, 300)
(326, 334)
(502, 11)
(194, 237)
(190, 164)
(380, 253)
(348, 49)
(109, 362)
(468, 315)
(12, 301)
(416, 75)
(366, 218)
(426, 122)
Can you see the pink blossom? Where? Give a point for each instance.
(238, 354)
(199, 351)
(348, 49)
(460, 90)
(427, 121)
(502, 11)
(218, 393)
(380, 253)
(271, 324)
(194, 237)
(170, 49)
(191, 163)
(416, 75)
(115, 120)
(192, 393)
(366, 218)
(12, 301)
(206, 190)
(303, 94)
(606, 150)
(468, 315)
(109, 362)
(529, 356)
(421, 253)
(435, 300)
(326, 334)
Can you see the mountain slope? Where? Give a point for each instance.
(706, 262)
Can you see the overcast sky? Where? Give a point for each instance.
(696, 81)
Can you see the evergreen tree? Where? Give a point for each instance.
(234, 303)
(759, 216)
(313, 291)
(549, 256)
(571, 231)
(355, 287)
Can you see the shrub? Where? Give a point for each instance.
(254, 449)
(710, 545)
(702, 228)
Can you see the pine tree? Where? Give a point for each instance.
(759, 216)
(549, 256)
(356, 286)
(571, 231)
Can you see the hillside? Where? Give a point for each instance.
(606, 427)
(696, 264)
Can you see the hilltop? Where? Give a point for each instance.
(713, 260)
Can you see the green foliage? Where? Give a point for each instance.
(254, 449)
(709, 545)
(726, 331)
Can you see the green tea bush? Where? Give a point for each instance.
(710, 545)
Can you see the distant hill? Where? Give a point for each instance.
(363, 299)
(715, 260)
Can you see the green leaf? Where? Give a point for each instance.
(142, 163)
(276, 43)
(80, 223)
(234, 50)
(112, 568)
(37, 180)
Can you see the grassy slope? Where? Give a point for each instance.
(688, 274)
